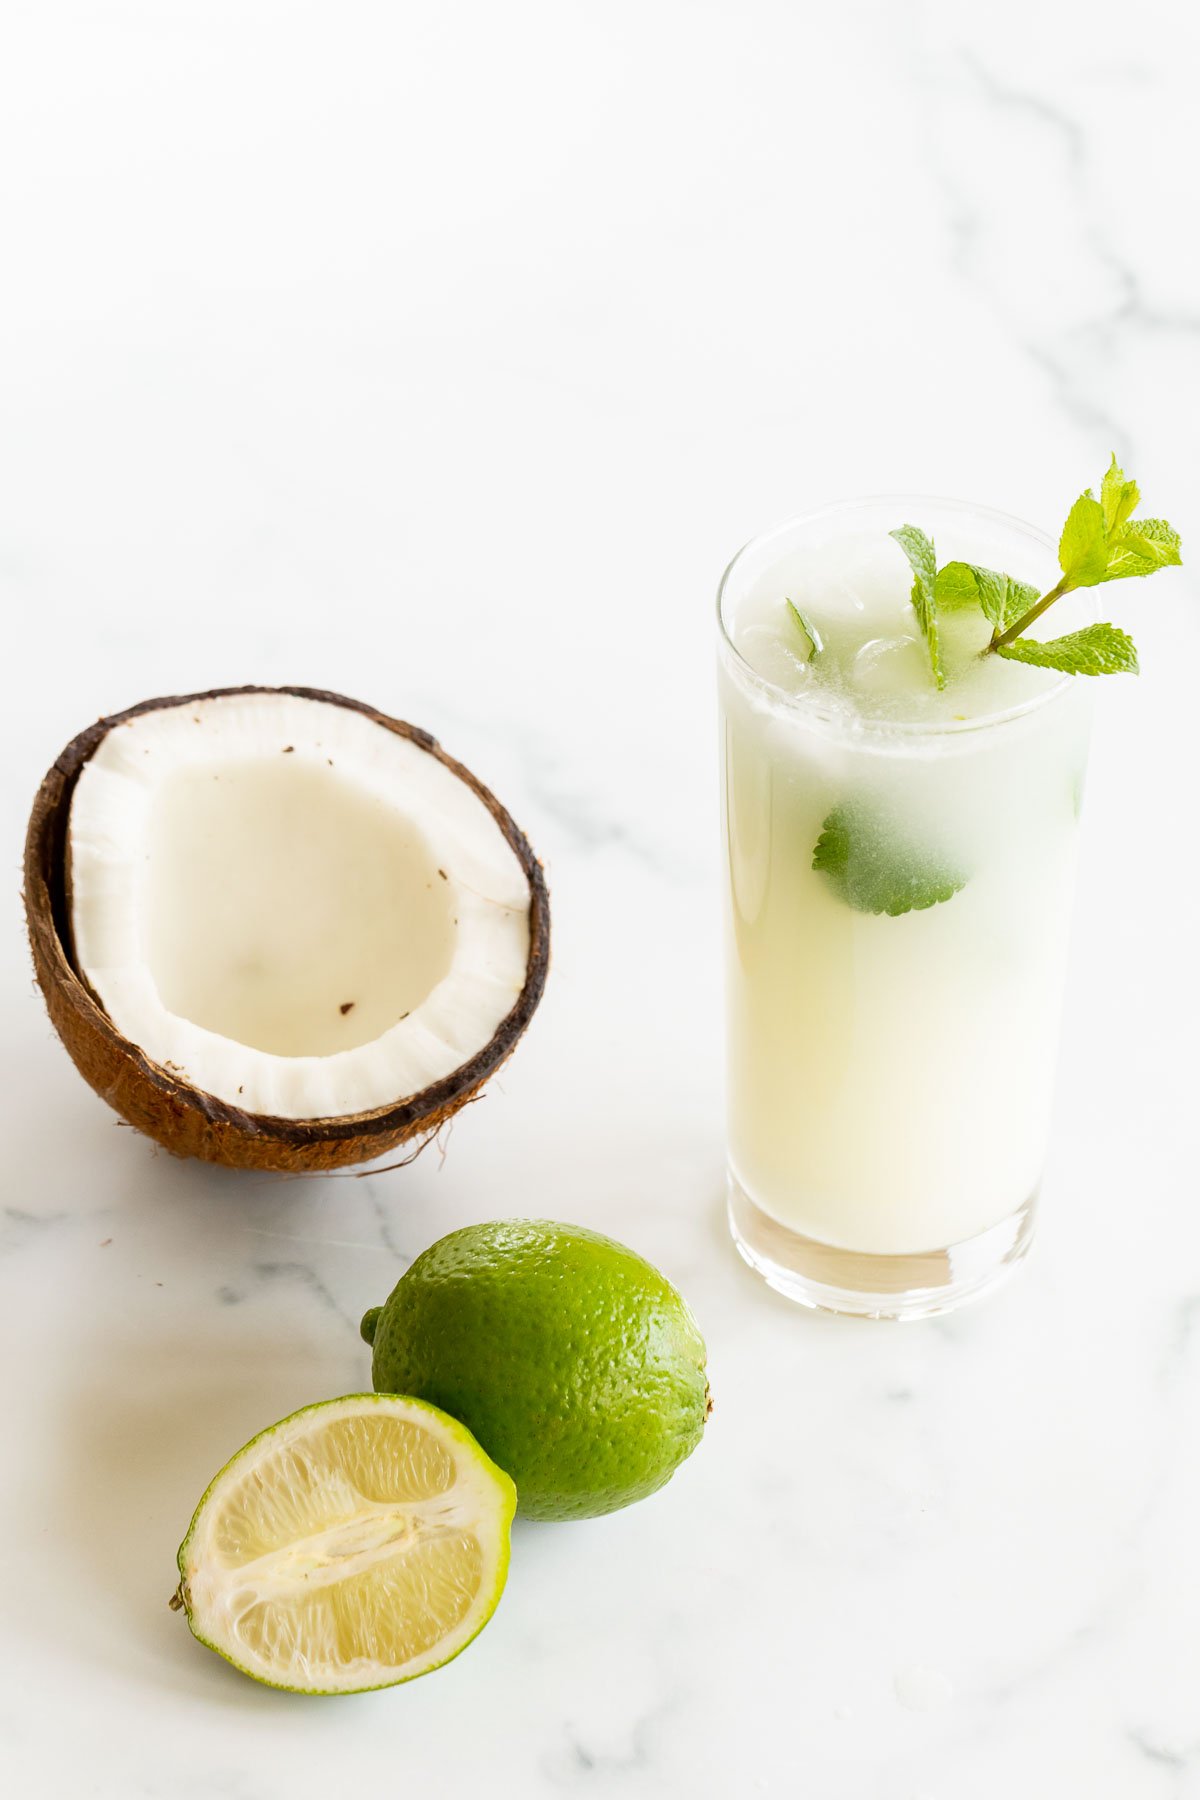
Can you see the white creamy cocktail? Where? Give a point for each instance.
(898, 896)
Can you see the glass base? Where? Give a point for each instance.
(876, 1287)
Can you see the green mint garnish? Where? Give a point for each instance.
(864, 859)
(874, 870)
(1101, 541)
(1118, 497)
(1143, 547)
(999, 598)
(1096, 650)
(815, 641)
(922, 560)
(1083, 546)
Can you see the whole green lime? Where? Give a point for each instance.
(576, 1365)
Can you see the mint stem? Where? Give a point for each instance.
(1026, 619)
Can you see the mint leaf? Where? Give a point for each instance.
(1083, 547)
(1141, 548)
(1019, 596)
(815, 641)
(874, 870)
(922, 560)
(1096, 650)
(1102, 542)
(1001, 599)
(1118, 497)
(957, 585)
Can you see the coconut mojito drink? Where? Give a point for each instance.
(903, 771)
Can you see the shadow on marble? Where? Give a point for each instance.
(217, 1305)
(147, 1427)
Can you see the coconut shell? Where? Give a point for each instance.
(162, 1105)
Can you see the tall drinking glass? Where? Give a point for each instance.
(890, 1078)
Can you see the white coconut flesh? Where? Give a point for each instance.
(291, 907)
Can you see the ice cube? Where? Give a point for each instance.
(891, 668)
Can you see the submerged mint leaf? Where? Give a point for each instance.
(874, 870)
(922, 560)
(1118, 497)
(1095, 650)
(1142, 547)
(1083, 546)
(1000, 598)
(815, 641)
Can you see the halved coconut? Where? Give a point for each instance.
(277, 929)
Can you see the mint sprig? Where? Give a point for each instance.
(874, 869)
(922, 560)
(1101, 541)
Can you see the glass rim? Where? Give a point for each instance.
(804, 704)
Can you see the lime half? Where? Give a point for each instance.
(354, 1545)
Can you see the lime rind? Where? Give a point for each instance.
(575, 1362)
(490, 1488)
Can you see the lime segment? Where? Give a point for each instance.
(356, 1544)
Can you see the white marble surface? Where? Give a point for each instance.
(442, 355)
